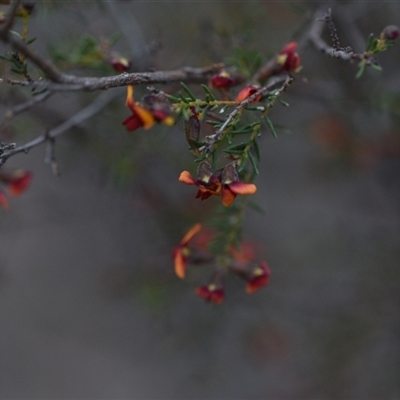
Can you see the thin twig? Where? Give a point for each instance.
(10, 20)
(315, 37)
(19, 109)
(93, 108)
(282, 80)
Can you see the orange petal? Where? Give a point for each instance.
(227, 196)
(129, 97)
(242, 188)
(145, 115)
(179, 264)
(186, 177)
(192, 231)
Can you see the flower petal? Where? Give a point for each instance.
(242, 188)
(129, 97)
(180, 263)
(259, 278)
(227, 196)
(19, 182)
(186, 177)
(145, 115)
(192, 231)
(133, 122)
(212, 292)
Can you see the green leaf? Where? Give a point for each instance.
(253, 162)
(174, 99)
(242, 131)
(216, 124)
(361, 68)
(16, 34)
(204, 112)
(241, 145)
(185, 113)
(208, 91)
(255, 108)
(370, 42)
(184, 99)
(223, 109)
(256, 149)
(30, 41)
(271, 126)
(283, 102)
(233, 151)
(376, 67)
(188, 91)
(201, 158)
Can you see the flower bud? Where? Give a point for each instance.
(391, 32)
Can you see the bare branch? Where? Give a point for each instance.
(76, 83)
(19, 109)
(93, 108)
(315, 37)
(10, 21)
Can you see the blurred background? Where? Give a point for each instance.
(89, 304)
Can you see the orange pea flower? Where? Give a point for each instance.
(246, 92)
(154, 110)
(182, 252)
(206, 181)
(231, 186)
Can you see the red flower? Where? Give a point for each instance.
(120, 64)
(246, 92)
(145, 116)
(222, 80)
(288, 59)
(212, 292)
(17, 182)
(257, 278)
(182, 252)
(231, 186)
(206, 181)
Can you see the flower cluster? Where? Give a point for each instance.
(192, 251)
(15, 182)
(154, 108)
(224, 182)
